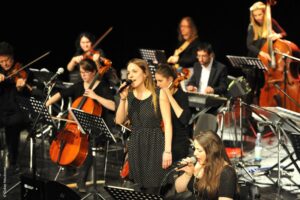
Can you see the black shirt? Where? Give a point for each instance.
(227, 187)
(102, 90)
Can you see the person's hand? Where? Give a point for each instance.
(275, 36)
(90, 93)
(96, 57)
(124, 92)
(191, 88)
(77, 59)
(209, 90)
(190, 168)
(173, 59)
(2, 77)
(20, 83)
(167, 159)
(265, 55)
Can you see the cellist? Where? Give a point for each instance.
(256, 37)
(100, 93)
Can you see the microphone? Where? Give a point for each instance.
(59, 72)
(128, 82)
(180, 165)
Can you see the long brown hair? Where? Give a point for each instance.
(149, 83)
(216, 158)
(193, 27)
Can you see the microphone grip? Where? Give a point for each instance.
(127, 83)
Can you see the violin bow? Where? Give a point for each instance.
(30, 63)
(102, 37)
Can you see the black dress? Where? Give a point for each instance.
(146, 143)
(181, 130)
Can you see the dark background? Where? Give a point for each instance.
(34, 29)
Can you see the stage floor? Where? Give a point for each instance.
(266, 185)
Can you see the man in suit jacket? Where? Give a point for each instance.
(210, 76)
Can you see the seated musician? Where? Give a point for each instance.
(212, 176)
(11, 86)
(210, 76)
(100, 93)
(84, 49)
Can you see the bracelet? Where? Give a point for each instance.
(123, 99)
(168, 152)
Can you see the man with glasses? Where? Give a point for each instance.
(210, 76)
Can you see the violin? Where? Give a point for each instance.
(183, 75)
(17, 72)
(90, 54)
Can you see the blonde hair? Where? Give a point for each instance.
(149, 83)
(259, 31)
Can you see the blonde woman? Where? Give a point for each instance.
(149, 147)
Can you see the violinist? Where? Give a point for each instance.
(84, 49)
(11, 85)
(256, 37)
(185, 53)
(100, 93)
(168, 81)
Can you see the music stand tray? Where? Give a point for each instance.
(153, 56)
(90, 123)
(119, 193)
(34, 108)
(241, 61)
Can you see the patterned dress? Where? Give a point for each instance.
(146, 144)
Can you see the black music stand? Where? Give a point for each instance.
(241, 61)
(119, 193)
(37, 112)
(153, 57)
(278, 125)
(94, 126)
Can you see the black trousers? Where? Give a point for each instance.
(13, 124)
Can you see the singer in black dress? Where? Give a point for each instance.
(149, 147)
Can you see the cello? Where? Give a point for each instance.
(70, 147)
(278, 71)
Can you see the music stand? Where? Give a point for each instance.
(94, 126)
(278, 125)
(241, 61)
(119, 193)
(153, 58)
(36, 111)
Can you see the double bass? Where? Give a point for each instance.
(278, 73)
(70, 147)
